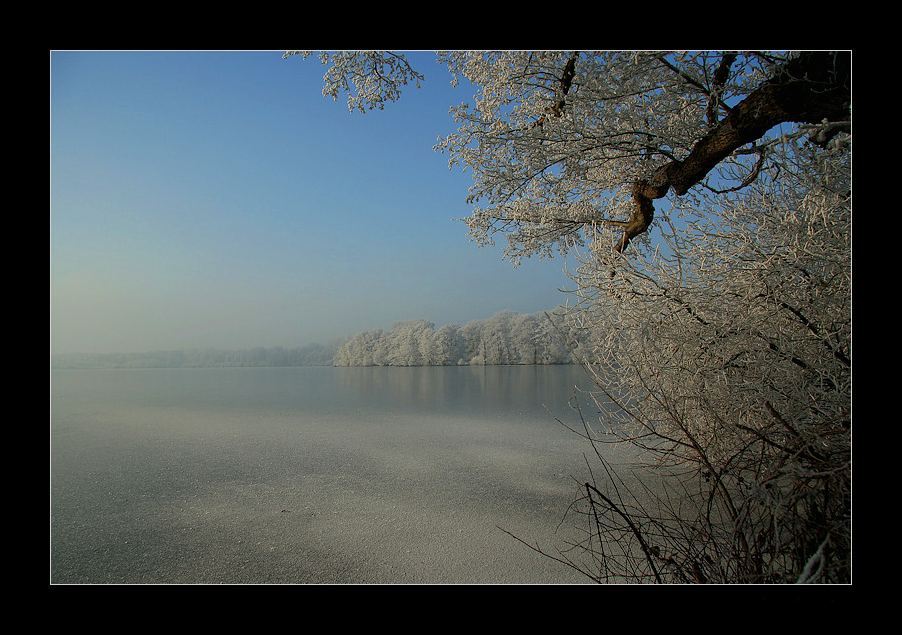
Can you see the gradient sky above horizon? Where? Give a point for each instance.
(218, 199)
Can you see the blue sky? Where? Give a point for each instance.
(217, 199)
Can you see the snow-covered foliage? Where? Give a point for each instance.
(505, 338)
(727, 356)
(376, 76)
(555, 156)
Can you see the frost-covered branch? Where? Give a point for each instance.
(376, 76)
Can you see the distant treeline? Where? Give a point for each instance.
(506, 338)
(310, 355)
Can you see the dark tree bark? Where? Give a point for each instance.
(813, 87)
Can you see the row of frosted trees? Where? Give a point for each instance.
(506, 338)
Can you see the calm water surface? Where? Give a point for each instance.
(314, 474)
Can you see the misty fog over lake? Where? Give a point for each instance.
(313, 474)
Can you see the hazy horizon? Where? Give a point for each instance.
(332, 341)
(218, 200)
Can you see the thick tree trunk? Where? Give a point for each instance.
(811, 88)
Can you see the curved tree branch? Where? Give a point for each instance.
(812, 88)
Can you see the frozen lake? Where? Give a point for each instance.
(313, 474)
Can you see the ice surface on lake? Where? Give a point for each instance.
(323, 475)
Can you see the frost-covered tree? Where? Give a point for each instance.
(727, 359)
(364, 349)
(526, 340)
(448, 347)
(409, 343)
(706, 196)
(564, 144)
(497, 339)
